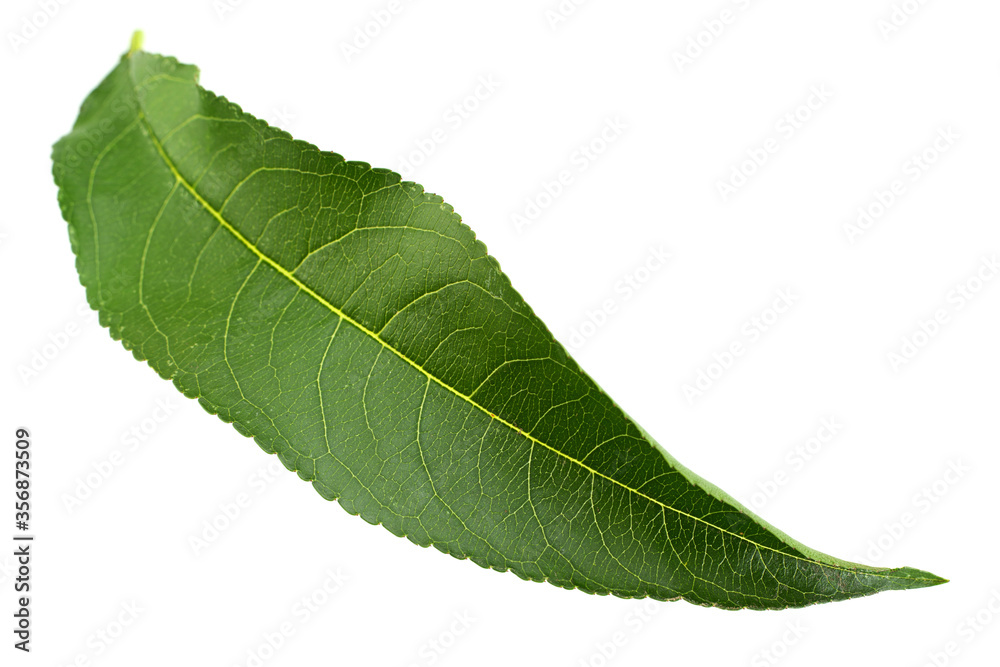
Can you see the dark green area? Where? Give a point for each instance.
(356, 328)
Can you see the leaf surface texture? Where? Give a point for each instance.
(355, 327)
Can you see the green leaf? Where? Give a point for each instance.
(356, 328)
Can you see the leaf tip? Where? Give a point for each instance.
(910, 577)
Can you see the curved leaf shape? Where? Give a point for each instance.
(356, 328)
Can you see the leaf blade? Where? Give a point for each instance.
(355, 286)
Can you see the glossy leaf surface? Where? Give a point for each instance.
(356, 328)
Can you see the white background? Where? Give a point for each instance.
(654, 186)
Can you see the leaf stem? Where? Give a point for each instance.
(136, 45)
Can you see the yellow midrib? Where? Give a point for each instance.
(308, 290)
